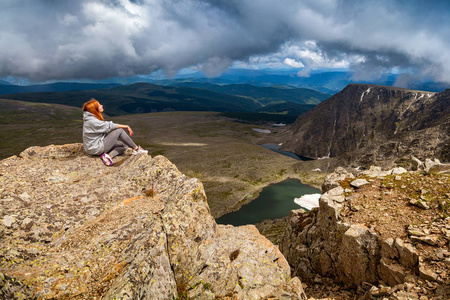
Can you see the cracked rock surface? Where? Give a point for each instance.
(388, 237)
(72, 228)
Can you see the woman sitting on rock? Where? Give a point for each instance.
(105, 138)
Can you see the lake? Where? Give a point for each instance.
(276, 148)
(274, 201)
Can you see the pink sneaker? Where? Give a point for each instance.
(107, 160)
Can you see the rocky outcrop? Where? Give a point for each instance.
(368, 124)
(371, 254)
(72, 228)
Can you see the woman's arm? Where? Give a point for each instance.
(126, 127)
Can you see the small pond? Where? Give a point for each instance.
(274, 201)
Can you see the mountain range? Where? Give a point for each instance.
(7, 88)
(323, 80)
(369, 124)
(327, 81)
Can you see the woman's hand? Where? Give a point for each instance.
(126, 127)
(129, 130)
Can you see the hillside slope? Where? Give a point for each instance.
(368, 124)
(146, 97)
(384, 233)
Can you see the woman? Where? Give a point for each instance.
(105, 138)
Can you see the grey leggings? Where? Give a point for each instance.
(116, 142)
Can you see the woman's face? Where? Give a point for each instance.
(100, 107)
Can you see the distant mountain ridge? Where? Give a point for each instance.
(7, 88)
(369, 124)
(146, 97)
(263, 94)
(326, 81)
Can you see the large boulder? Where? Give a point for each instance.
(74, 228)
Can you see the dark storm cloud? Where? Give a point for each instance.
(49, 39)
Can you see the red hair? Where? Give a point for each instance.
(93, 107)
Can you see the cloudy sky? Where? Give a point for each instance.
(96, 39)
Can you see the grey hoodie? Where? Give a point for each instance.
(94, 131)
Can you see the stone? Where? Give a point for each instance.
(447, 261)
(375, 171)
(439, 253)
(429, 239)
(429, 164)
(337, 246)
(388, 249)
(415, 232)
(359, 183)
(25, 196)
(427, 274)
(405, 295)
(398, 171)
(358, 254)
(419, 203)
(379, 292)
(8, 221)
(391, 273)
(355, 208)
(408, 256)
(416, 163)
(422, 204)
(95, 231)
(332, 180)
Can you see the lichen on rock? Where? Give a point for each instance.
(74, 228)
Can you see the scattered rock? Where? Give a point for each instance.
(343, 240)
(416, 163)
(375, 171)
(418, 203)
(427, 274)
(332, 180)
(415, 231)
(392, 273)
(359, 183)
(429, 239)
(388, 249)
(398, 171)
(408, 256)
(430, 164)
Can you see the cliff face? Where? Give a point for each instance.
(370, 124)
(384, 233)
(73, 228)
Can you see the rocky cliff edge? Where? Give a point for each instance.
(385, 234)
(73, 228)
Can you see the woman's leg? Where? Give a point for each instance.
(117, 149)
(114, 136)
